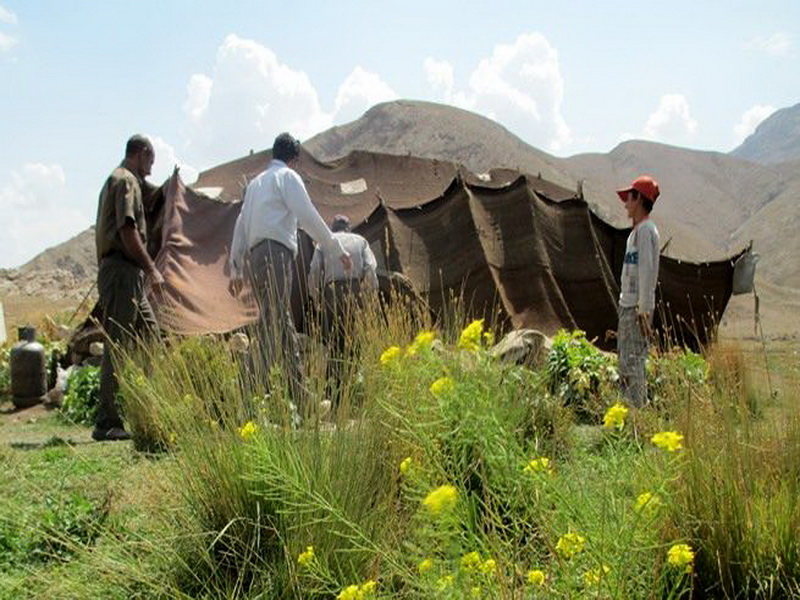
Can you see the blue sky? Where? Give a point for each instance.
(210, 80)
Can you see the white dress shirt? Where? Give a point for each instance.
(324, 263)
(275, 203)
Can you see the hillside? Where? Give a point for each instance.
(775, 140)
(62, 272)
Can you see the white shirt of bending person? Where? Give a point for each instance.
(275, 204)
(326, 267)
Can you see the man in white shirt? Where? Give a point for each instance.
(342, 294)
(637, 296)
(264, 246)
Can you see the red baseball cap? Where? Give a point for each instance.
(645, 185)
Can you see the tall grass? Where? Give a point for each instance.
(428, 477)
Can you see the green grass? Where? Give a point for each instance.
(220, 494)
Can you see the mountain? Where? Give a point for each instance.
(775, 140)
(65, 271)
(712, 204)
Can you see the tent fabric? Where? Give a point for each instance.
(502, 240)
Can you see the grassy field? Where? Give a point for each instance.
(444, 473)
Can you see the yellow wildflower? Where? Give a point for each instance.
(368, 587)
(476, 591)
(306, 557)
(570, 544)
(405, 465)
(247, 430)
(351, 592)
(470, 338)
(442, 387)
(646, 501)
(445, 582)
(539, 465)
(188, 398)
(488, 338)
(681, 556)
(390, 356)
(615, 416)
(536, 577)
(470, 561)
(421, 343)
(671, 441)
(488, 567)
(425, 565)
(173, 437)
(441, 499)
(594, 576)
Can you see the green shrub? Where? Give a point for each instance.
(82, 395)
(5, 370)
(580, 374)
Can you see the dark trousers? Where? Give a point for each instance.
(270, 266)
(343, 301)
(127, 315)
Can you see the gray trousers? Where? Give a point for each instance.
(127, 315)
(269, 268)
(633, 348)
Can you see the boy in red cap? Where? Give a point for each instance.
(637, 294)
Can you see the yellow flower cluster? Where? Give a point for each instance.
(681, 556)
(247, 430)
(570, 544)
(441, 499)
(306, 557)
(358, 592)
(539, 465)
(425, 565)
(445, 582)
(470, 338)
(442, 387)
(536, 577)
(647, 502)
(615, 417)
(422, 343)
(594, 576)
(671, 441)
(405, 465)
(471, 561)
(391, 356)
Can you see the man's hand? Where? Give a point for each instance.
(235, 286)
(347, 262)
(645, 325)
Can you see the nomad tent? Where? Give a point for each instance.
(504, 240)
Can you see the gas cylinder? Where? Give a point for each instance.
(28, 369)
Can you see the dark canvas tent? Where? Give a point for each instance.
(503, 238)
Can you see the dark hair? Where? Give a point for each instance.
(136, 144)
(647, 205)
(285, 147)
(340, 223)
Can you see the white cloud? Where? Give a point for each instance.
(7, 17)
(250, 98)
(166, 159)
(672, 122)
(358, 92)
(750, 119)
(35, 186)
(439, 74)
(198, 92)
(34, 213)
(7, 42)
(776, 45)
(520, 85)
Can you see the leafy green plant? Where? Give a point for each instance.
(82, 395)
(580, 374)
(5, 370)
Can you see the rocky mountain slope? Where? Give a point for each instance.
(775, 140)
